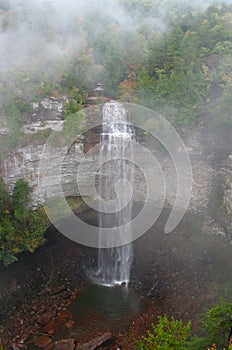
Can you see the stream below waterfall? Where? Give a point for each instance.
(99, 309)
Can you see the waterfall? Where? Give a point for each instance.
(115, 183)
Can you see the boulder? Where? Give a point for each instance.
(63, 317)
(52, 327)
(44, 318)
(43, 341)
(65, 344)
(94, 343)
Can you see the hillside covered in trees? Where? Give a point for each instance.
(172, 57)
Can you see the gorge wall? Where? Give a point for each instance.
(211, 187)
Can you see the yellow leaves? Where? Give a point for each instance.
(189, 34)
(205, 22)
(204, 51)
(159, 71)
(34, 243)
(227, 78)
(16, 250)
(6, 211)
(227, 19)
(26, 80)
(206, 73)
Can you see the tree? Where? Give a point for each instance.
(218, 323)
(21, 198)
(166, 335)
(217, 328)
(4, 198)
(74, 125)
(21, 228)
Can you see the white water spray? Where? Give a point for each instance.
(116, 184)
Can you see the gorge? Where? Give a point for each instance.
(110, 110)
(154, 249)
(23, 162)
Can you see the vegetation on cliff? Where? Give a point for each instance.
(173, 334)
(21, 228)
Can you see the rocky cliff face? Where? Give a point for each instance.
(220, 204)
(24, 163)
(226, 183)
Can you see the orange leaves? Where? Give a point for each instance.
(127, 90)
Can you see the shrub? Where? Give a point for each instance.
(218, 322)
(21, 228)
(166, 335)
(217, 325)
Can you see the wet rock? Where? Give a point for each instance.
(15, 346)
(52, 327)
(44, 318)
(69, 324)
(65, 344)
(49, 346)
(63, 317)
(43, 341)
(95, 343)
(4, 130)
(59, 290)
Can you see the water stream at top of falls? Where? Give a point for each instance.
(116, 182)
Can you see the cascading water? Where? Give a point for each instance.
(115, 183)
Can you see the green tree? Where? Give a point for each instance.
(21, 228)
(15, 112)
(166, 335)
(21, 198)
(217, 327)
(4, 198)
(74, 125)
(218, 323)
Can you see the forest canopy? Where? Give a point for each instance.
(173, 57)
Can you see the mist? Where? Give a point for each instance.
(40, 38)
(173, 57)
